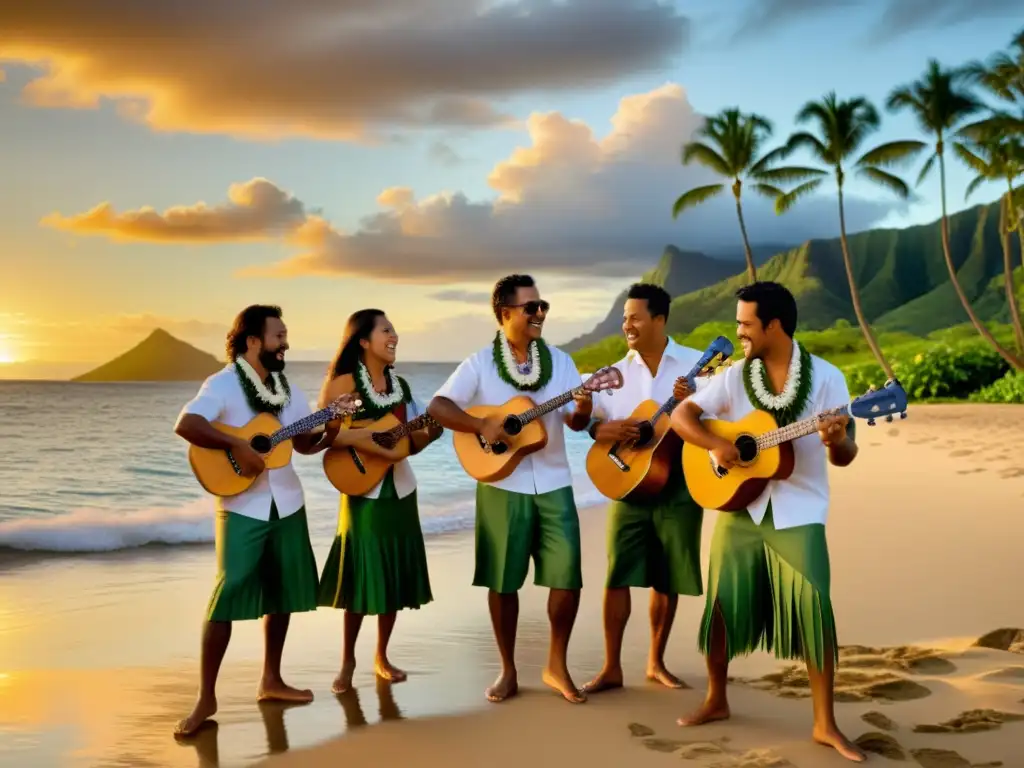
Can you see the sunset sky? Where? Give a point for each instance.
(165, 164)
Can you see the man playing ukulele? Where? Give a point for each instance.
(769, 577)
(532, 512)
(653, 545)
(265, 564)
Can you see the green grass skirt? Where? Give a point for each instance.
(772, 588)
(378, 563)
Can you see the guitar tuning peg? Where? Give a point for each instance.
(871, 422)
(889, 418)
(903, 415)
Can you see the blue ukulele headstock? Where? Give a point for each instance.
(877, 403)
(718, 352)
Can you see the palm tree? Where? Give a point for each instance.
(1003, 77)
(1003, 161)
(941, 102)
(842, 127)
(731, 146)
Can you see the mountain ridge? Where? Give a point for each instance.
(158, 357)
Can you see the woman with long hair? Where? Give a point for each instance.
(378, 564)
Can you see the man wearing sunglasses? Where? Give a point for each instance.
(532, 512)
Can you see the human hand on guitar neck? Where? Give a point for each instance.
(681, 389)
(832, 429)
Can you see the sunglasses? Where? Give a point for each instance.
(531, 307)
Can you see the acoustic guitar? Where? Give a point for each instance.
(354, 472)
(637, 470)
(219, 473)
(766, 450)
(488, 463)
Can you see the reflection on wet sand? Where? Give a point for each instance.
(205, 741)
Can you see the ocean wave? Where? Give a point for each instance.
(99, 530)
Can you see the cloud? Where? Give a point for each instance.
(442, 153)
(463, 296)
(889, 18)
(568, 204)
(255, 210)
(324, 69)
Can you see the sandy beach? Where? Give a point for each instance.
(925, 536)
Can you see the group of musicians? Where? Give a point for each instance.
(768, 581)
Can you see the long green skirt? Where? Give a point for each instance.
(772, 588)
(378, 563)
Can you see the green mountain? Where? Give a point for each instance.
(901, 273)
(678, 272)
(158, 357)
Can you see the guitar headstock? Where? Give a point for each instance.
(877, 403)
(344, 405)
(609, 377)
(715, 356)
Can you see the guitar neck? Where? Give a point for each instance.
(421, 421)
(303, 425)
(670, 405)
(546, 407)
(797, 429)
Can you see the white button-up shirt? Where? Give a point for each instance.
(638, 384)
(404, 477)
(221, 398)
(803, 498)
(476, 382)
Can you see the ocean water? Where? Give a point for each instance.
(97, 467)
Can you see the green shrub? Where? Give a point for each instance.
(1009, 389)
(937, 371)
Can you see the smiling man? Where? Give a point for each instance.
(265, 563)
(531, 514)
(651, 545)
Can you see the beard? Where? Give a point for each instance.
(268, 359)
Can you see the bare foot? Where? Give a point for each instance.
(343, 682)
(709, 712)
(564, 685)
(388, 671)
(201, 712)
(505, 687)
(659, 674)
(606, 680)
(276, 690)
(831, 737)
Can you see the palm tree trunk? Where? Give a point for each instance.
(751, 272)
(858, 310)
(1006, 211)
(1008, 356)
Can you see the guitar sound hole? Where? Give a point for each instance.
(498, 448)
(646, 433)
(260, 443)
(747, 447)
(512, 426)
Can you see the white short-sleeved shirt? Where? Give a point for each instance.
(476, 382)
(803, 498)
(404, 477)
(638, 384)
(221, 398)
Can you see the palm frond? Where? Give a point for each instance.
(786, 201)
(695, 197)
(976, 182)
(769, 159)
(926, 168)
(971, 160)
(789, 174)
(893, 153)
(767, 190)
(707, 156)
(893, 183)
(810, 142)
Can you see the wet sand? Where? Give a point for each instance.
(98, 657)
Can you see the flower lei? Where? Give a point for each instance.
(261, 398)
(376, 404)
(786, 406)
(508, 369)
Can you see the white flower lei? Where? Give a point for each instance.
(277, 399)
(381, 400)
(508, 361)
(788, 394)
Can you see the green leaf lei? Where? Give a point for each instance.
(369, 410)
(253, 397)
(788, 414)
(543, 357)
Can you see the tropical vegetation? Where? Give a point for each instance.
(976, 111)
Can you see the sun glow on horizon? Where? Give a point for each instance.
(7, 353)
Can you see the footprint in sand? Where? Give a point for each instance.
(879, 720)
(974, 471)
(922, 440)
(639, 729)
(850, 686)
(901, 658)
(939, 758)
(1006, 639)
(1006, 474)
(972, 721)
(755, 758)
(961, 452)
(881, 744)
(1009, 675)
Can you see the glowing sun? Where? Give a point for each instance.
(6, 353)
